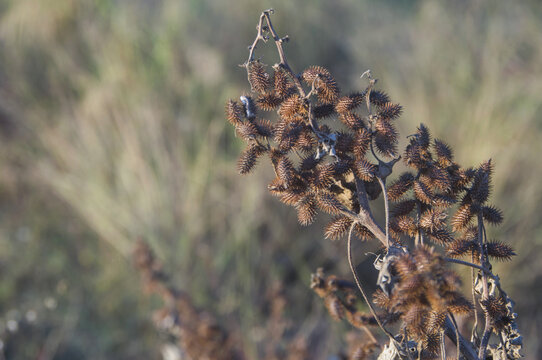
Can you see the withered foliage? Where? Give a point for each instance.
(197, 332)
(333, 153)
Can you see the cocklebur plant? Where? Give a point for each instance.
(334, 153)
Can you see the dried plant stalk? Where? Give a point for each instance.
(344, 169)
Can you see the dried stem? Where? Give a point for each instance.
(386, 209)
(456, 333)
(485, 295)
(283, 62)
(466, 263)
(465, 346)
(358, 283)
(365, 216)
(474, 333)
(442, 347)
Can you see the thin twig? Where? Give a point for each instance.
(283, 62)
(386, 209)
(485, 295)
(465, 346)
(252, 48)
(372, 82)
(466, 263)
(358, 283)
(313, 88)
(456, 332)
(442, 347)
(365, 216)
(474, 333)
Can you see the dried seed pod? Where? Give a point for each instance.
(499, 250)
(334, 307)
(344, 143)
(350, 102)
(492, 215)
(259, 78)
(285, 171)
(324, 176)
(247, 130)
(327, 89)
(463, 177)
(423, 137)
(405, 225)
(363, 233)
(487, 167)
(276, 187)
(462, 247)
(268, 101)
(249, 157)
(415, 320)
(381, 299)
(405, 265)
(385, 137)
(431, 345)
(404, 207)
(458, 304)
(481, 186)
(390, 111)
(444, 153)
(310, 74)
(433, 219)
(323, 111)
(365, 170)
(337, 227)
(292, 197)
(422, 192)
(443, 201)
(282, 83)
(329, 203)
(306, 210)
(462, 217)
(234, 112)
(265, 128)
(287, 135)
(309, 163)
(353, 121)
(440, 236)
(384, 146)
(495, 308)
(373, 189)
(379, 98)
(306, 141)
(292, 108)
(362, 142)
(435, 321)
(400, 186)
(415, 156)
(438, 178)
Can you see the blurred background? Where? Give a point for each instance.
(112, 129)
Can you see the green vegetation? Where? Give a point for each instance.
(112, 130)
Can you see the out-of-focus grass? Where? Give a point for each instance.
(112, 115)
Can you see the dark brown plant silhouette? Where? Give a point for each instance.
(333, 153)
(197, 332)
